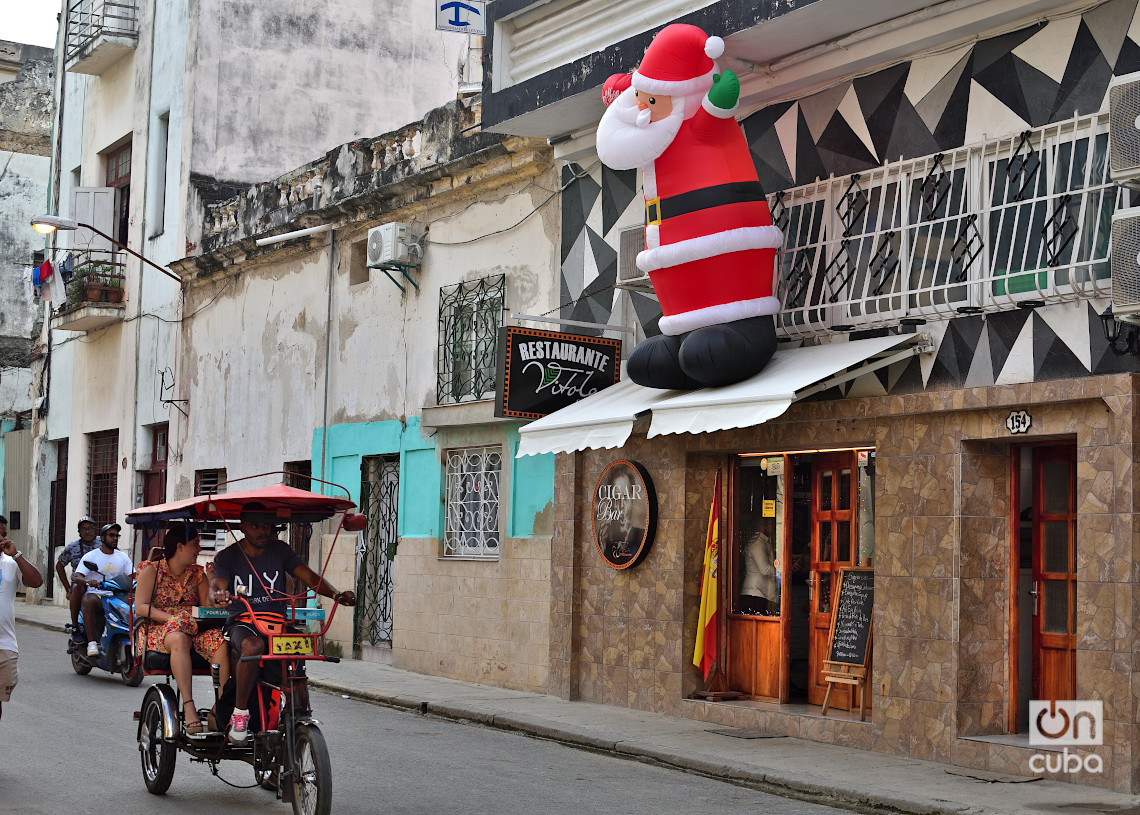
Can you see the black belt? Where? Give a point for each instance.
(739, 192)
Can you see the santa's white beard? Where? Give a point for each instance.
(626, 137)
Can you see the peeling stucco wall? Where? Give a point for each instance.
(253, 364)
(25, 149)
(276, 82)
(26, 109)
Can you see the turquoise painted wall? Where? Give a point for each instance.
(421, 498)
(532, 487)
(6, 426)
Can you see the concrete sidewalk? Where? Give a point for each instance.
(822, 773)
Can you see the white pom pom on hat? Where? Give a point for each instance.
(714, 47)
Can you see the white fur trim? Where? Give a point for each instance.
(652, 236)
(715, 315)
(649, 179)
(698, 84)
(707, 246)
(720, 113)
(714, 47)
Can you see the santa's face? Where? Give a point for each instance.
(634, 132)
(659, 107)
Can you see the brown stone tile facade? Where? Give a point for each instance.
(941, 670)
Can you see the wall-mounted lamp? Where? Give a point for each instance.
(46, 224)
(1123, 338)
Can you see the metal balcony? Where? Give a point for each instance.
(99, 34)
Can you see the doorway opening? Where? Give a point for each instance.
(798, 518)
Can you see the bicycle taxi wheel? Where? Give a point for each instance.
(312, 789)
(158, 755)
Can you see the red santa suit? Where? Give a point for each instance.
(712, 262)
(710, 243)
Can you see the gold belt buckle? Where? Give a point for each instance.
(653, 212)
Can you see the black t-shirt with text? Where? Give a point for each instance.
(263, 576)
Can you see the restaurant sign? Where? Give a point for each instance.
(543, 371)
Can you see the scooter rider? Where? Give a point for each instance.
(108, 562)
(72, 555)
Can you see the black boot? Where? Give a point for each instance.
(653, 364)
(728, 352)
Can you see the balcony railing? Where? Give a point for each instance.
(1020, 220)
(99, 33)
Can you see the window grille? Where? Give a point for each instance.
(472, 478)
(470, 315)
(103, 472)
(981, 228)
(206, 482)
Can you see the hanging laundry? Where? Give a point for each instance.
(45, 271)
(67, 268)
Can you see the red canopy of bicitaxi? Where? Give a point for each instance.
(288, 504)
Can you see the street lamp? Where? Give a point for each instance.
(46, 224)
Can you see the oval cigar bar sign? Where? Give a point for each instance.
(624, 511)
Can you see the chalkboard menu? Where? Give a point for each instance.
(851, 618)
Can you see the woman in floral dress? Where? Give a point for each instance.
(165, 595)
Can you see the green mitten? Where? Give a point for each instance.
(725, 90)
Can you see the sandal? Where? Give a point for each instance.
(193, 728)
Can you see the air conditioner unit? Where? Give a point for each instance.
(1124, 128)
(631, 240)
(1125, 265)
(389, 244)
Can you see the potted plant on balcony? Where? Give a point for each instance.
(113, 289)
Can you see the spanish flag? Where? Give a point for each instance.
(704, 654)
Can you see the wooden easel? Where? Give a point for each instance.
(852, 613)
(843, 674)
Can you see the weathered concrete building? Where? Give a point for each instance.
(305, 356)
(26, 80)
(947, 408)
(161, 108)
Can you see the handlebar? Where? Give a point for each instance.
(261, 623)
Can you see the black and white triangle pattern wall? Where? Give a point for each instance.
(1039, 74)
(1043, 73)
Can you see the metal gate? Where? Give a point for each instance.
(379, 490)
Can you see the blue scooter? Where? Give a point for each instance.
(117, 655)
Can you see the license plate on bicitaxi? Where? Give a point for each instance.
(292, 646)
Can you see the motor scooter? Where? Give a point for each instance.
(116, 654)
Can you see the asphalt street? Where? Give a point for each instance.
(67, 744)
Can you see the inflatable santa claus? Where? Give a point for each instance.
(710, 244)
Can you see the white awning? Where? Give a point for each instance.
(606, 419)
(597, 422)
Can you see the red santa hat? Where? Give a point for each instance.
(678, 62)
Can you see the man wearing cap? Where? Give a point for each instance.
(71, 555)
(107, 561)
(14, 569)
(256, 566)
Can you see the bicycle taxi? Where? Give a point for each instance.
(286, 748)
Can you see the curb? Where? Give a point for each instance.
(784, 786)
(43, 625)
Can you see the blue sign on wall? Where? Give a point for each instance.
(466, 16)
